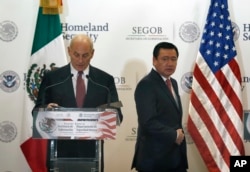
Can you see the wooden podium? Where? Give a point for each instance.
(75, 136)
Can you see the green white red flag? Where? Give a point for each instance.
(48, 51)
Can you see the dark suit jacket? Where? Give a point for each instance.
(158, 118)
(63, 95)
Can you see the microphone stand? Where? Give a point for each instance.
(109, 105)
(53, 85)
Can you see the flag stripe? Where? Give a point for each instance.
(237, 118)
(233, 98)
(206, 117)
(215, 110)
(47, 51)
(107, 125)
(209, 145)
(42, 26)
(31, 156)
(207, 156)
(228, 89)
(234, 68)
(218, 118)
(231, 117)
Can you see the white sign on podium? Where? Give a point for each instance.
(74, 123)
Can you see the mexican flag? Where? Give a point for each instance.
(48, 51)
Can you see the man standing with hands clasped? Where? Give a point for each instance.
(160, 145)
(78, 84)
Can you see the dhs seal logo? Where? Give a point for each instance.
(8, 131)
(189, 32)
(186, 82)
(247, 125)
(236, 31)
(34, 79)
(8, 31)
(9, 81)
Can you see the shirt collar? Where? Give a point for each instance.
(164, 78)
(75, 72)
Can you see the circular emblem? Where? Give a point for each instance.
(248, 124)
(8, 31)
(186, 82)
(189, 32)
(236, 31)
(9, 81)
(47, 125)
(34, 79)
(8, 131)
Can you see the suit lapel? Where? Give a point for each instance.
(166, 90)
(69, 85)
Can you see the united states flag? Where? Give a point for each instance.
(215, 110)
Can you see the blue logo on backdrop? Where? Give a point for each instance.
(236, 31)
(246, 125)
(186, 82)
(9, 81)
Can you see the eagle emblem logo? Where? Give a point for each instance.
(34, 79)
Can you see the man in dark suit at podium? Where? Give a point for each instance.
(59, 89)
(161, 145)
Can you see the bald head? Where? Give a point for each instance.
(81, 51)
(82, 39)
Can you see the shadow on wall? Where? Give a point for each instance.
(133, 71)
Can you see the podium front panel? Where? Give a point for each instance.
(71, 165)
(75, 155)
(74, 123)
(75, 136)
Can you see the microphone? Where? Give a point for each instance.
(109, 104)
(53, 85)
(117, 104)
(103, 86)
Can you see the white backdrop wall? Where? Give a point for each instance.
(124, 34)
